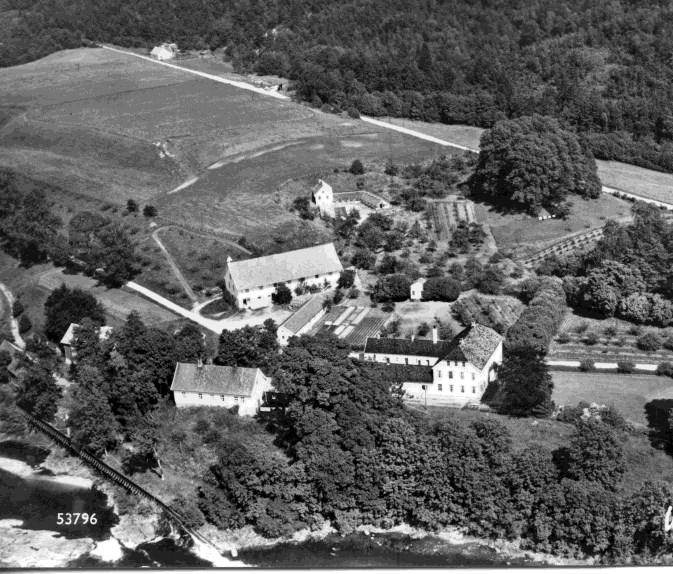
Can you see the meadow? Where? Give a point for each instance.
(627, 393)
(638, 180)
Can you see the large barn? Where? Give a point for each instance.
(252, 282)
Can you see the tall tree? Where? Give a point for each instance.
(526, 383)
(65, 306)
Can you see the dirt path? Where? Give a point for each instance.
(174, 267)
(18, 340)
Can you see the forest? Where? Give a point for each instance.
(603, 69)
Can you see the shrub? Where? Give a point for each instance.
(338, 296)
(17, 308)
(346, 279)
(587, 365)
(610, 331)
(620, 341)
(423, 329)
(668, 343)
(563, 338)
(353, 293)
(282, 295)
(149, 211)
(583, 326)
(635, 330)
(25, 324)
(591, 338)
(132, 206)
(649, 342)
(356, 167)
(626, 367)
(665, 369)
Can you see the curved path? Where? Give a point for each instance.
(18, 340)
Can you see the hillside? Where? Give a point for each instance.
(603, 68)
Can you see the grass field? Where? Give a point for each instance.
(628, 393)
(467, 136)
(112, 127)
(637, 180)
(32, 287)
(525, 234)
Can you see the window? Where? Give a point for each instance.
(406, 360)
(450, 374)
(428, 362)
(200, 395)
(236, 399)
(462, 389)
(184, 393)
(388, 360)
(474, 390)
(451, 388)
(463, 363)
(419, 361)
(439, 387)
(439, 373)
(462, 375)
(222, 397)
(473, 376)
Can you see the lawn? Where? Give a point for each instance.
(628, 393)
(638, 180)
(201, 259)
(526, 235)
(467, 136)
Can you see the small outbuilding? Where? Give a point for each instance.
(164, 51)
(68, 341)
(416, 290)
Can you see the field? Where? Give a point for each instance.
(610, 348)
(628, 393)
(449, 213)
(525, 235)
(110, 127)
(467, 136)
(32, 287)
(638, 180)
(492, 311)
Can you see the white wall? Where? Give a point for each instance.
(284, 333)
(247, 406)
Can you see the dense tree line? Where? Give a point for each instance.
(349, 452)
(602, 69)
(629, 273)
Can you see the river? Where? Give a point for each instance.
(36, 498)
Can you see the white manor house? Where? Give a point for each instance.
(441, 373)
(252, 282)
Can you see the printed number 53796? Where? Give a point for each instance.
(73, 518)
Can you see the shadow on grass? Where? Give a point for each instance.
(657, 412)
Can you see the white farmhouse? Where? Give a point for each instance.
(199, 385)
(332, 204)
(436, 372)
(252, 282)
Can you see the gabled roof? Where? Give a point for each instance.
(214, 379)
(69, 336)
(418, 347)
(474, 344)
(298, 320)
(283, 267)
(16, 353)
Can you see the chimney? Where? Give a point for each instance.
(435, 337)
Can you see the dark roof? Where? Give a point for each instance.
(214, 379)
(400, 373)
(298, 320)
(474, 344)
(419, 347)
(16, 352)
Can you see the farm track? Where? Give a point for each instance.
(18, 340)
(174, 266)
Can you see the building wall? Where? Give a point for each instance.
(247, 406)
(416, 292)
(425, 361)
(261, 297)
(284, 333)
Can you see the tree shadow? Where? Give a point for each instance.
(657, 413)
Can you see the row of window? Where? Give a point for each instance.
(222, 397)
(462, 388)
(462, 375)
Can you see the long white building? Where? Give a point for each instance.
(252, 282)
(437, 372)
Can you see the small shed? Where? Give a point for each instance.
(416, 290)
(164, 51)
(543, 215)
